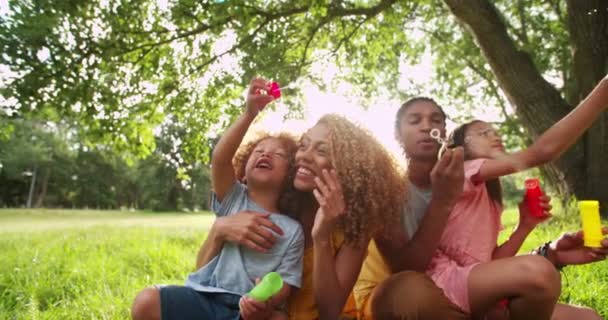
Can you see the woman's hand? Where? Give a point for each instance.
(251, 229)
(331, 204)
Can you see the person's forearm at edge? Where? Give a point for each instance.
(332, 285)
(211, 247)
(553, 254)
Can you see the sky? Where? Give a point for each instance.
(378, 118)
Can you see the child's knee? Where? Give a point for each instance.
(146, 305)
(567, 312)
(540, 275)
(584, 313)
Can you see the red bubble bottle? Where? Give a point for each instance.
(275, 90)
(532, 197)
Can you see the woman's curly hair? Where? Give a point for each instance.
(290, 143)
(374, 185)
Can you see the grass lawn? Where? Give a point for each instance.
(74, 264)
(90, 264)
(581, 285)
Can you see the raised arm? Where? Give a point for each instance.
(557, 139)
(222, 172)
(404, 253)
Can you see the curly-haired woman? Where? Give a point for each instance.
(346, 189)
(363, 198)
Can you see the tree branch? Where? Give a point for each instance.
(522, 21)
(303, 62)
(235, 47)
(492, 87)
(368, 12)
(538, 103)
(554, 4)
(515, 71)
(346, 38)
(180, 35)
(480, 72)
(588, 27)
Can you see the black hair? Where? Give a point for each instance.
(457, 138)
(412, 101)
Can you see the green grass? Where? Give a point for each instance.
(90, 264)
(581, 285)
(64, 264)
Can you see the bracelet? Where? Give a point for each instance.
(544, 251)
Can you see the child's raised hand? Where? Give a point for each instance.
(530, 221)
(257, 96)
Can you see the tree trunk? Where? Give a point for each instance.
(538, 104)
(44, 186)
(172, 198)
(30, 195)
(588, 27)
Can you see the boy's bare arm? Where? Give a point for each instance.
(222, 172)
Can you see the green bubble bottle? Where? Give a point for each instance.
(270, 285)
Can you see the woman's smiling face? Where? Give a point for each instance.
(313, 155)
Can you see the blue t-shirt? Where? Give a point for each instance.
(235, 269)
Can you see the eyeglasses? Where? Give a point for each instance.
(490, 132)
(486, 133)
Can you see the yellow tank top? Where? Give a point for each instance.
(301, 305)
(373, 271)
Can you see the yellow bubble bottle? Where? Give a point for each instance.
(592, 227)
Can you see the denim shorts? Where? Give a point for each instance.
(179, 302)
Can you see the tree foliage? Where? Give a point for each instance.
(68, 174)
(123, 68)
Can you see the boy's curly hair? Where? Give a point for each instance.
(289, 142)
(374, 185)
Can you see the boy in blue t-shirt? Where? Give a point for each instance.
(214, 290)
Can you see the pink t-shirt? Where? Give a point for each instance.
(469, 238)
